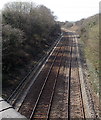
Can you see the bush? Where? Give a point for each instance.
(28, 31)
(12, 40)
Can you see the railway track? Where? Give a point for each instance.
(75, 100)
(49, 80)
(27, 82)
(43, 106)
(56, 90)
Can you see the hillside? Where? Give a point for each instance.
(89, 32)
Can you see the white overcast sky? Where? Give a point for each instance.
(66, 10)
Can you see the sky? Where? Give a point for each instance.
(66, 10)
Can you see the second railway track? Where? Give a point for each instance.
(56, 91)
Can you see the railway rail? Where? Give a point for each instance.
(46, 96)
(56, 90)
(27, 80)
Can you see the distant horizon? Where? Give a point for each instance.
(80, 19)
(71, 11)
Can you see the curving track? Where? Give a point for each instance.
(56, 90)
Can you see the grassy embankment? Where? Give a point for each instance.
(89, 32)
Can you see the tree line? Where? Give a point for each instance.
(27, 31)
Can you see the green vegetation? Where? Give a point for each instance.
(89, 32)
(67, 24)
(28, 31)
(90, 36)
